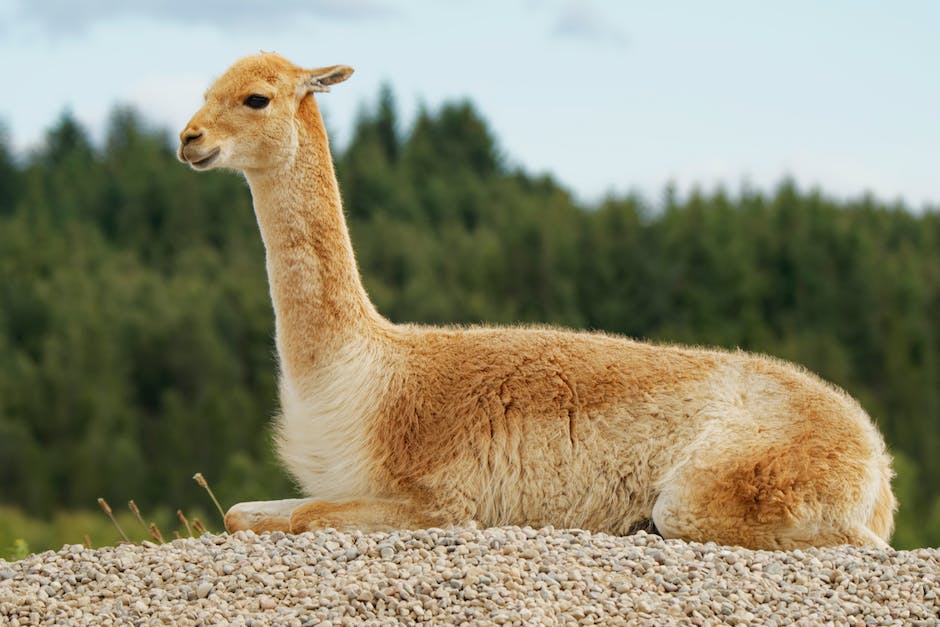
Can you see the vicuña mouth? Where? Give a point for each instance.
(204, 162)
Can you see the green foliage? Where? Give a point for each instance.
(136, 329)
(18, 550)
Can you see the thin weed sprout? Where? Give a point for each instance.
(205, 484)
(131, 505)
(182, 517)
(155, 533)
(107, 510)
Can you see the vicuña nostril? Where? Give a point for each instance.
(191, 136)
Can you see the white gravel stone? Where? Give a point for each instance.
(506, 576)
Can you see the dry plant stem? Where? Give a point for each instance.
(176, 535)
(182, 517)
(155, 533)
(107, 510)
(198, 527)
(86, 540)
(205, 484)
(131, 505)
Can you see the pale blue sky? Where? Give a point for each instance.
(604, 95)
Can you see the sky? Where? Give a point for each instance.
(608, 97)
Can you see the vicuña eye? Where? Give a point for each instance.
(257, 102)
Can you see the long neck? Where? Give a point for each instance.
(319, 301)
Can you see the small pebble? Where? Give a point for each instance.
(203, 589)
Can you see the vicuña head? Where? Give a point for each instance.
(390, 426)
(249, 119)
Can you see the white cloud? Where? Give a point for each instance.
(68, 17)
(580, 20)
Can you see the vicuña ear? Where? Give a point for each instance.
(320, 78)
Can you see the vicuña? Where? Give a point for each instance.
(402, 426)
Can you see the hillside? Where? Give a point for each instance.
(136, 327)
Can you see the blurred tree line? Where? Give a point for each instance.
(136, 329)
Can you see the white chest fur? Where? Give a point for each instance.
(324, 427)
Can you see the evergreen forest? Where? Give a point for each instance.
(136, 331)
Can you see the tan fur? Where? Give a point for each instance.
(403, 426)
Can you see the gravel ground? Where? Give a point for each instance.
(505, 575)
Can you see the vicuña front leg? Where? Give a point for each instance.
(363, 514)
(261, 516)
